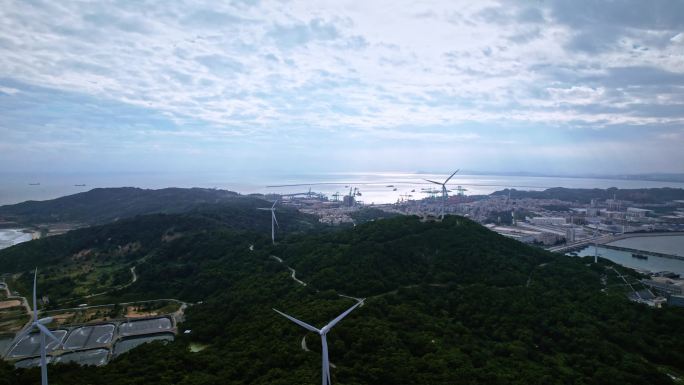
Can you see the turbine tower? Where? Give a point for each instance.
(444, 191)
(325, 366)
(274, 221)
(595, 249)
(43, 330)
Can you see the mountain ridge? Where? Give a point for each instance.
(447, 302)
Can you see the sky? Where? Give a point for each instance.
(325, 86)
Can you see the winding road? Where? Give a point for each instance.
(293, 272)
(134, 278)
(24, 302)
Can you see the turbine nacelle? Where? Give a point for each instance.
(444, 189)
(274, 221)
(325, 366)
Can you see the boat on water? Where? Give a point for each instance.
(394, 189)
(34, 184)
(639, 256)
(79, 185)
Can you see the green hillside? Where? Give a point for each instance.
(103, 205)
(447, 303)
(95, 259)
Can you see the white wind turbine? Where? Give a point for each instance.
(325, 368)
(43, 330)
(274, 221)
(444, 190)
(595, 249)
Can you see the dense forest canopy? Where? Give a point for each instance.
(447, 302)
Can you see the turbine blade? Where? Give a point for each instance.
(452, 175)
(263, 208)
(24, 333)
(35, 303)
(274, 203)
(298, 322)
(432, 181)
(275, 220)
(48, 333)
(339, 317)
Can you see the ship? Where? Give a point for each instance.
(79, 185)
(639, 256)
(34, 184)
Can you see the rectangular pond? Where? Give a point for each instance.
(30, 345)
(89, 336)
(146, 326)
(132, 342)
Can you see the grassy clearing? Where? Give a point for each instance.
(13, 319)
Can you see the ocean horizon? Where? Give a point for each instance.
(375, 187)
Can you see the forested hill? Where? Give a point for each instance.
(125, 241)
(447, 302)
(102, 205)
(642, 195)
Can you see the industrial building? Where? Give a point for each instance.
(554, 221)
(664, 285)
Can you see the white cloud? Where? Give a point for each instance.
(678, 38)
(8, 90)
(329, 64)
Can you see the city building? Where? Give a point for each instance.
(555, 221)
(570, 235)
(676, 300)
(635, 213)
(665, 285)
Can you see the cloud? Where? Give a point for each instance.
(288, 36)
(602, 26)
(678, 38)
(394, 71)
(8, 90)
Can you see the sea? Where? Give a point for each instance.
(11, 237)
(375, 187)
(673, 245)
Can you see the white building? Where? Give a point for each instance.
(570, 235)
(633, 212)
(555, 221)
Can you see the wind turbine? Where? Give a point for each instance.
(43, 330)
(595, 249)
(444, 190)
(325, 366)
(274, 221)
